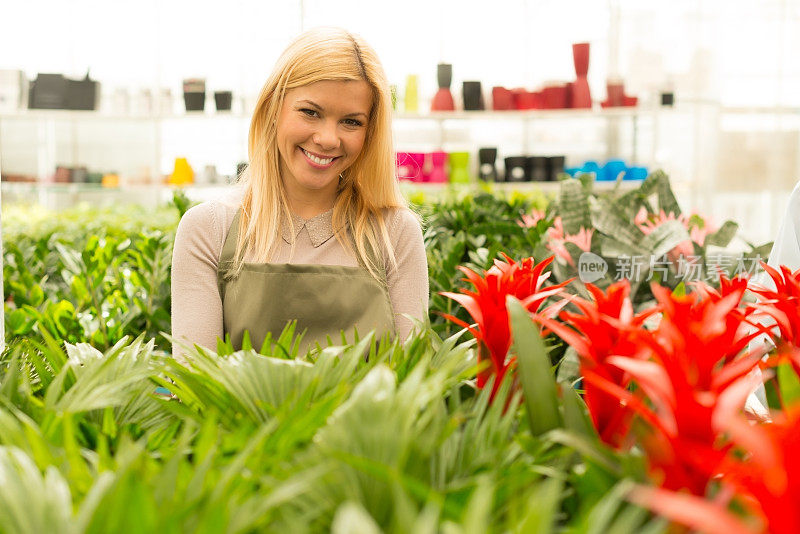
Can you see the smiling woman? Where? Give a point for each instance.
(316, 231)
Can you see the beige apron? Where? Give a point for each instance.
(324, 299)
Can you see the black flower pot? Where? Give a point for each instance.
(555, 166)
(223, 100)
(194, 94)
(194, 101)
(473, 96)
(537, 168)
(487, 171)
(515, 169)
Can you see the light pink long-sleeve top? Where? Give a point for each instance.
(196, 303)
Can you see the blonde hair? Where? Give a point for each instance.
(366, 188)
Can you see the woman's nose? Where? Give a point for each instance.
(326, 136)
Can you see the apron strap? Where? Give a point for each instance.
(229, 248)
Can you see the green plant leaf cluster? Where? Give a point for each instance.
(93, 275)
(368, 437)
(471, 230)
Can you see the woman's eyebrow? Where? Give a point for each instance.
(311, 103)
(317, 106)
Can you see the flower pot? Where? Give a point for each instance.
(555, 97)
(473, 96)
(194, 101)
(487, 170)
(409, 166)
(194, 94)
(182, 174)
(411, 100)
(444, 75)
(515, 169)
(443, 101)
(555, 166)
(438, 173)
(615, 90)
(223, 100)
(612, 169)
(502, 99)
(635, 173)
(527, 100)
(459, 167)
(580, 57)
(537, 168)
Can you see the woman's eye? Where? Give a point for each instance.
(309, 112)
(353, 122)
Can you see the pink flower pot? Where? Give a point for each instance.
(438, 173)
(409, 166)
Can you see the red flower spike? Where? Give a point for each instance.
(783, 306)
(694, 512)
(690, 367)
(486, 304)
(768, 481)
(697, 344)
(604, 328)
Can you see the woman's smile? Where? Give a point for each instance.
(317, 160)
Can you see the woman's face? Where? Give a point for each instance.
(320, 132)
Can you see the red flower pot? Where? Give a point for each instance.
(616, 92)
(502, 99)
(555, 97)
(580, 56)
(526, 100)
(443, 101)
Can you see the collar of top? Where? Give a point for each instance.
(319, 227)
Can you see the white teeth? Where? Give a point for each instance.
(315, 159)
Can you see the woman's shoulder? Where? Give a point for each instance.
(212, 218)
(398, 218)
(401, 222)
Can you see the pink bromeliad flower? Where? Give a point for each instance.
(699, 227)
(557, 239)
(527, 221)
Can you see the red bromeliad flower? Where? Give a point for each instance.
(606, 327)
(783, 306)
(763, 475)
(768, 480)
(690, 368)
(695, 379)
(487, 307)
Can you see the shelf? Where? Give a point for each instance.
(27, 187)
(595, 112)
(69, 114)
(545, 187)
(65, 114)
(95, 188)
(527, 114)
